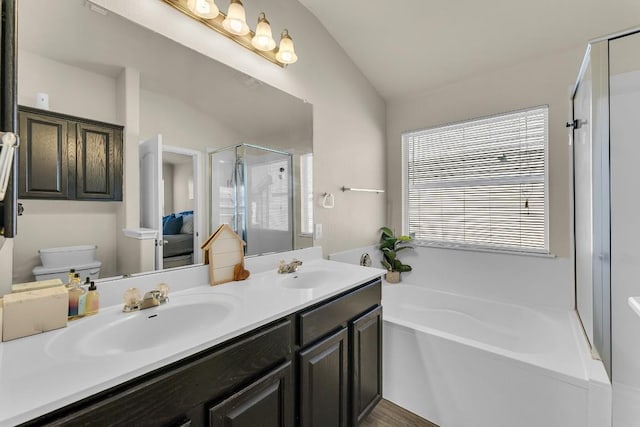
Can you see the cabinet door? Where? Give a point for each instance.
(98, 163)
(267, 402)
(323, 382)
(366, 344)
(44, 144)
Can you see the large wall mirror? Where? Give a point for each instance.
(83, 58)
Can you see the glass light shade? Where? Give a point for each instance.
(236, 20)
(286, 54)
(263, 40)
(203, 8)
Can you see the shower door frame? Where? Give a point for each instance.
(240, 226)
(597, 56)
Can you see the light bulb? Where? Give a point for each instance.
(286, 53)
(263, 40)
(203, 8)
(236, 21)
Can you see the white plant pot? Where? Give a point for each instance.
(392, 276)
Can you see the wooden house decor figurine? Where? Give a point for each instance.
(224, 253)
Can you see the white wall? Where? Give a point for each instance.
(167, 184)
(349, 115)
(71, 90)
(48, 223)
(53, 223)
(528, 281)
(180, 124)
(545, 80)
(625, 234)
(182, 173)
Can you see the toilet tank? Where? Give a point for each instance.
(90, 270)
(68, 256)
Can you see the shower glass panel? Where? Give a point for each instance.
(583, 199)
(591, 200)
(252, 191)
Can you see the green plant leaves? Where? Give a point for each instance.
(390, 245)
(386, 233)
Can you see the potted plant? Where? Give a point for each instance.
(390, 245)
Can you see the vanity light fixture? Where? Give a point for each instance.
(236, 20)
(206, 9)
(234, 26)
(286, 54)
(263, 40)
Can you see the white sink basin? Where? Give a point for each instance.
(113, 332)
(307, 278)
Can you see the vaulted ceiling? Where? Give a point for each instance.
(410, 46)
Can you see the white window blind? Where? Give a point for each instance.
(480, 183)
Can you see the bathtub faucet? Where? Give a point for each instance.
(365, 260)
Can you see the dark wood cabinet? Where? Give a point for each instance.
(44, 163)
(366, 376)
(324, 382)
(98, 162)
(318, 367)
(66, 157)
(340, 364)
(268, 401)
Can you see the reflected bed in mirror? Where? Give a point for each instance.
(105, 68)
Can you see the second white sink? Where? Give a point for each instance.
(307, 278)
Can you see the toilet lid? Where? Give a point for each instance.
(40, 270)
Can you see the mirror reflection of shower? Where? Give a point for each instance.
(252, 191)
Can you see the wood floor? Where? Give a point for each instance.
(387, 414)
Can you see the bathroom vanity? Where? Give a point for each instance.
(319, 364)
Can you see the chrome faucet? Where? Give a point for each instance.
(365, 260)
(284, 268)
(153, 298)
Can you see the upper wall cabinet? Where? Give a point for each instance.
(66, 157)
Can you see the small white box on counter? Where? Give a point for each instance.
(32, 286)
(33, 312)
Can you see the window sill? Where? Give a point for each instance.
(482, 249)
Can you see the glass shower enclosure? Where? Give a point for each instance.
(252, 191)
(605, 150)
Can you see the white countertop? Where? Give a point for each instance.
(634, 303)
(34, 380)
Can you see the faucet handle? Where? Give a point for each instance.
(131, 299)
(131, 296)
(164, 290)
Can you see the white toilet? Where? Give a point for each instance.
(56, 263)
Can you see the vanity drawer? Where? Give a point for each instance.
(178, 388)
(320, 320)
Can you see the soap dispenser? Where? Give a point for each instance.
(77, 297)
(92, 302)
(72, 274)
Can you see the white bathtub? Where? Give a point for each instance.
(467, 362)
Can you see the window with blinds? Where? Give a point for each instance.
(480, 183)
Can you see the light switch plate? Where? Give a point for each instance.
(318, 233)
